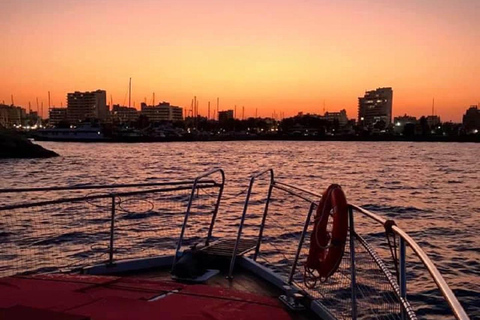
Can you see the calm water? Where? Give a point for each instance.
(432, 190)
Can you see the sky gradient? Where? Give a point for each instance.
(282, 55)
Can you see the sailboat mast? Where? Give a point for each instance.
(130, 92)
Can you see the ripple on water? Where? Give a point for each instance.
(434, 191)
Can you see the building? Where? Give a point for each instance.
(471, 120)
(225, 115)
(124, 114)
(162, 112)
(375, 106)
(340, 116)
(87, 105)
(400, 122)
(433, 121)
(57, 115)
(11, 116)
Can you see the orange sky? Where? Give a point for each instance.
(283, 55)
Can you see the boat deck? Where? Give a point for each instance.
(145, 295)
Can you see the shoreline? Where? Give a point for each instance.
(458, 139)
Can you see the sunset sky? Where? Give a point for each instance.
(283, 55)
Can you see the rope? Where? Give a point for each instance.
(392, 244)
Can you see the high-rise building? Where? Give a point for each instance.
(225, 115)
(124, 114)
(471, 120)
(433, 121)
(340, 116)
(12, 116)
(87, 105)
(162, 112)
(375, 106)
(57, 115)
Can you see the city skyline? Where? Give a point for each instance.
(281, 56)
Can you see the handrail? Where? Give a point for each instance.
(242, 219)
(99, 196)
(297, 188)
(442, 285)
(189, 206)
(88, 187)
(447, 293)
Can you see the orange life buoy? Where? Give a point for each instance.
(327, 246)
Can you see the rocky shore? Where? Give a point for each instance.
(13, 145)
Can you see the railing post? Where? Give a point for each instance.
(300, 243)
(240, 227)
(265, 211)
(403, 273)
(185, 220)
(352, 263)
(112, 231)
(215, 212)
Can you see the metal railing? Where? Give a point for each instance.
(195, 188)
(70, 233)
(405, 240)
(359, 255)
(37, 237)
(253, 178)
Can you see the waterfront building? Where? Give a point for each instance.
(87, 105)
(11, 116)
(471, 120)
(225, 115)
(124, 114)
(400, 122)
(3, 116)
(57, 115)
(375, 106)
(340, 116)
(433, 121)
(33, 120)
(162, 112)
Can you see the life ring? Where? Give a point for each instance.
(327, 246)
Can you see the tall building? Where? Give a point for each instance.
(124, 114)
(225, 115)
(12, 116)
(340, 116)
(57, 115)
(433, 121)
(162, 112)
(375, 106)
(87, 105)
(471, 120)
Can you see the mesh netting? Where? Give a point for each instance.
(63, 235)
(375, 292)
(54, 237)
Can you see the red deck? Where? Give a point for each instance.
(79, 297)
